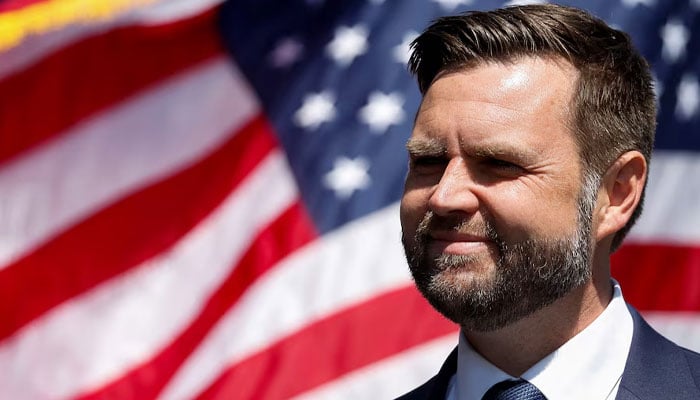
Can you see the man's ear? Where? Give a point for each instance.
(620, 193)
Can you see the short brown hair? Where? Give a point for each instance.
(614, 106)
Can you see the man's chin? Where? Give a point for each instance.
(481, 264)
(464, 278)
(463, 299)
(455, 275)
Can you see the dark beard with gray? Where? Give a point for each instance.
(528, 275)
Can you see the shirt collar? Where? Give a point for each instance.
(588, 366)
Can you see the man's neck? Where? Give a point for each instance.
(518, 346)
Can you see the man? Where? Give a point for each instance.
(528, 163)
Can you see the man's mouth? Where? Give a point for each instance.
(456, 243)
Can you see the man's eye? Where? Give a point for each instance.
(427, 161)
(502, 164)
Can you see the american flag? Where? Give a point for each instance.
(199, 200)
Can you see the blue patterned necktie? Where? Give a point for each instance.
(513, 390)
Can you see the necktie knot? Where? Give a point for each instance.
(513, 390)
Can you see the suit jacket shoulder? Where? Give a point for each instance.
(436, 387)
(658, 368)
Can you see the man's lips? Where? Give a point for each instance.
(454, 236)
(457, 243)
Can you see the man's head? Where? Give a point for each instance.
(613, 109)
(529, 114)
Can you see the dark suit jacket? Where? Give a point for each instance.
(656, 369)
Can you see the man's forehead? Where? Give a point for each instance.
(512, 77)
(495, 98)
(510, 61)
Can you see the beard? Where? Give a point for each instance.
(528, 275)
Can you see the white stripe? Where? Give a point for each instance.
(390, 377)
(119, 151)
(100, 335)
(682, 328)
(34, 47)
(172, 10)
(671, 210)
(356, 262)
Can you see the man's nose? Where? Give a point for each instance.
(454, 193)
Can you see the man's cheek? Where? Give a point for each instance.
(409, 214)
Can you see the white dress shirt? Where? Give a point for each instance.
(587, 367)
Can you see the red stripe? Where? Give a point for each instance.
(128, 232)
(89, 76)
(9, 5)
(286, 234)
(327, 349)
(658, 277)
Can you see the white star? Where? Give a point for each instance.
(347, 176)
(675, 37)
(523, 2)
(688, 97)
(287, 52)
(382, 110)
(348, 43)
(634, 3)
(317, 109)
(402, 52)
(451, 4)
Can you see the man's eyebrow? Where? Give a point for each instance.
(423, 147)
(496, 151)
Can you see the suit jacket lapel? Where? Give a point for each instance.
(436, 387)
(442, 379)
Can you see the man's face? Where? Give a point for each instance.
(495, 222)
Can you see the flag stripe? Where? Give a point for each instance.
(68, 179)
(671, 218)
(651, 275)
(682, 327)
(16, 4)
(377, 327)
(127, 304)
(339, 271)
(287, 233)
(168, 10)
(391, 377)
(35, 47)
(114, 65)
(121, 238)
(49, 15)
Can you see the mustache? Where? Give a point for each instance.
(435, 223)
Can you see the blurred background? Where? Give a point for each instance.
(198, 199)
